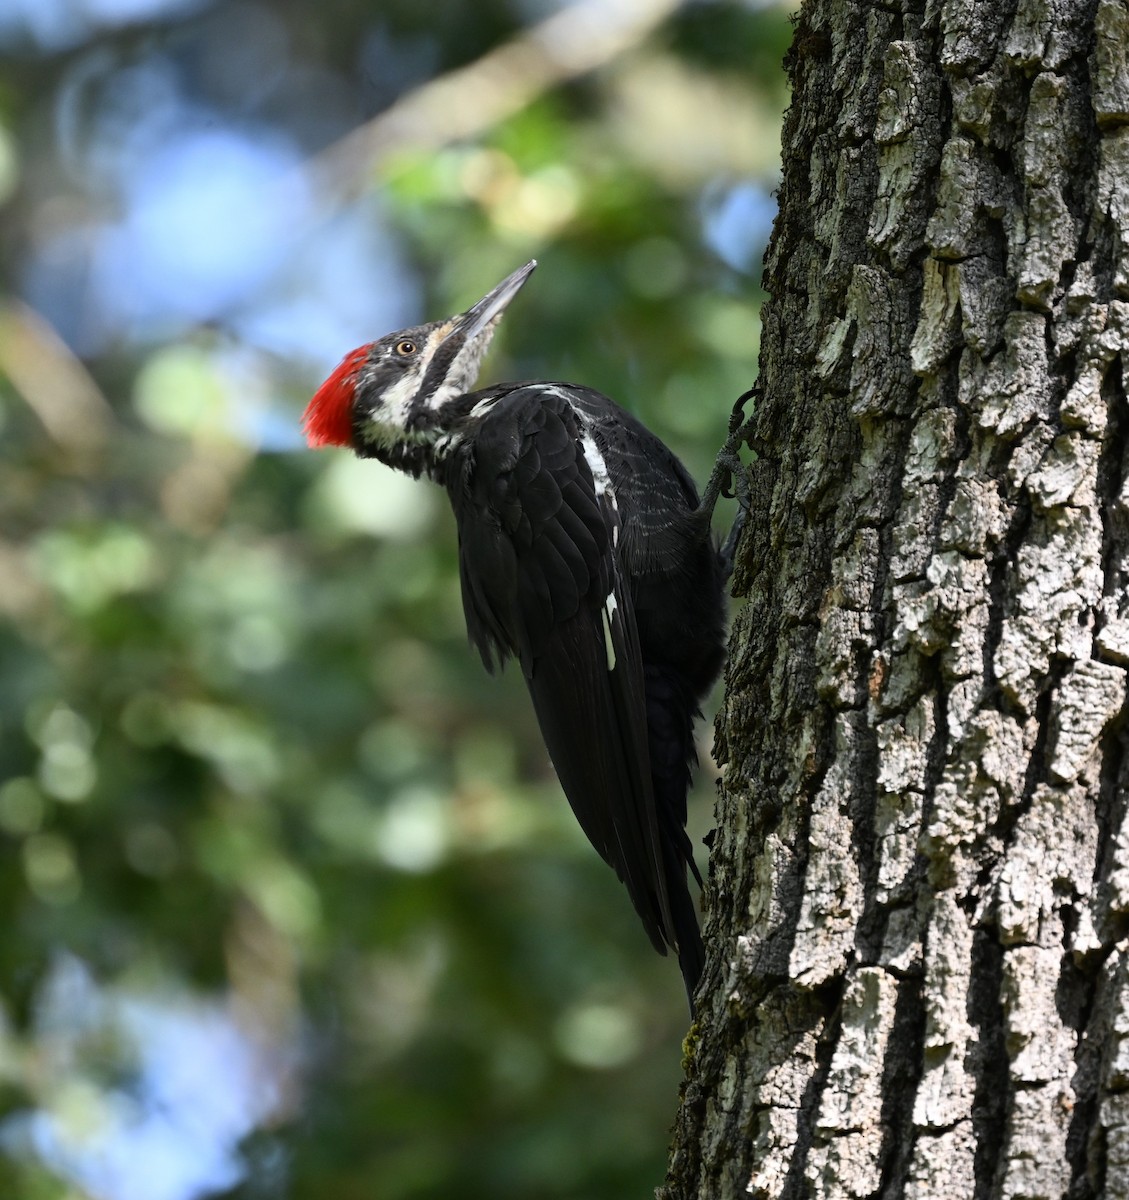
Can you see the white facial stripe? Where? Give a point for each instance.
(426, 355)
(405, 417)
(397, 401)
(463, 370)
(388, 425)
(440, 396)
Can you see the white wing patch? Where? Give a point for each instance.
(597, 466)
(601, 479)
(606, 614)
(600, 476)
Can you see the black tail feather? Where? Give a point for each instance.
(671, 709)
(683, 911)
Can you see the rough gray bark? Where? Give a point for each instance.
(918, 905)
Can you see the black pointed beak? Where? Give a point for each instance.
(492, 305)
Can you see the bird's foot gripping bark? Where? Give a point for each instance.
(729, 479)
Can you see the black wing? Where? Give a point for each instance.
(541, 580)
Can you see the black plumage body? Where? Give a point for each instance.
(543, 542)
(585, 554)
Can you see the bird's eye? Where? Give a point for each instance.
(405, 347)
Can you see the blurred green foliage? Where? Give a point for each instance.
(246, 756)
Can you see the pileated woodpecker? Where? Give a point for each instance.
(585, 553)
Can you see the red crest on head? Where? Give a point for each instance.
(328, 419)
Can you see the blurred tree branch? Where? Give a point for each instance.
(54, 382)
(477, 97)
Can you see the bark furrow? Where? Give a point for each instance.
(919, 892)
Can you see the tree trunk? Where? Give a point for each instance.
(918, 904)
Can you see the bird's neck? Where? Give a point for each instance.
(435, 436)
(429, 457)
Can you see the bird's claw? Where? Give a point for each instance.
(728, 476)
(730, 480)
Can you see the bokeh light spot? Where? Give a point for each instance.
(598, 1036)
